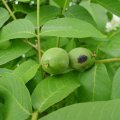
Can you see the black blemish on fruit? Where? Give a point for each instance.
(82, 58)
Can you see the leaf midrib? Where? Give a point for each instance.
(24, 109)
(40, 107)
(94, 83)
(47, 99)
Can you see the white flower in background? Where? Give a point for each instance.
(36, 45)
(23, 56)
(16, 2)
(32, 2)
(18, 65)
(113, 24)
(72, 3)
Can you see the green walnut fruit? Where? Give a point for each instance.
(81, 58)
(5, 45)
(55, 61)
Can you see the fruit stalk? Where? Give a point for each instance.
(108, 60)
(58, 42)
(35, 116)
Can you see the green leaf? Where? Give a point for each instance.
(111, 5)
(4, 70)
(1, 110)
(112, 68)
(49, 42)
(70, 27)
(46, 13)
(4, 16)
(16, 50)
(24, 0)
(105, 110)
(17, 98)
(79, 12)
(62, 3)
(97, 12)
(71, 45)
(27, 70)
(116, 86)
(95, 84)
(53, 3)
(112, 47)
(20, 28)
(54, 89)
(23, 8)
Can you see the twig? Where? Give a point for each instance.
(65, 4)
(31, 44)
(38, 30)
(9, 10)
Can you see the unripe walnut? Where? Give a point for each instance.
(81, 59)
(55, 61)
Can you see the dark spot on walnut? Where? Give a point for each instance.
(82, 59)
